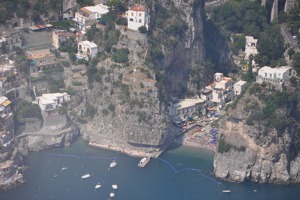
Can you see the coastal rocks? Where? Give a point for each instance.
(44, 140)
(256, 152)
(9, 175)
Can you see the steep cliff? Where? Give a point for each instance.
(260, 137)
(177, 48)
(124, 106)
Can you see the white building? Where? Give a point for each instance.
(206, 95)
(186, 108)
(87, 50)
(273, 75)
(9, 39)
(87, 16)
(250, 47)
(137, 16)
(239, 87)
(222, 90)
(51, 101)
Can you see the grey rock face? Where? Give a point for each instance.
(255, 155)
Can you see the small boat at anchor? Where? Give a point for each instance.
(97, 186)
(226, 191)
(112, 164)
(64, 168)
(85, 176)
(114, 187)
(112, 194)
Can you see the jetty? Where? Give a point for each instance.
(144, 161)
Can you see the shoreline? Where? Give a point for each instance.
(127, 151)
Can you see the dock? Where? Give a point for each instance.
(144, 161)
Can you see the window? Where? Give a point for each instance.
(266, 75)
(131, 19)
(270, 75)
(131, 14)
(140, 21)
(140, 14)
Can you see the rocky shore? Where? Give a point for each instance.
(49, 136)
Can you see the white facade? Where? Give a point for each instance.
(275, 75)
(51, 101)
(87, 50)
(250, 47)
(137, 16)
(87, 16)
(222, 89)
(9, 39)
(239, 87)
(186, 108)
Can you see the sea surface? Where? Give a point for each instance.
(182, 173)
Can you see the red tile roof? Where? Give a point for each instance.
(138, 8)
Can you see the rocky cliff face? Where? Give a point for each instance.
(259, 148)
(124, 107)
(180, 37)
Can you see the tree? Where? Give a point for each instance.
(270, 44)
(296, 61)
(83, 3)
(142, 29)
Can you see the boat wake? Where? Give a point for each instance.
(189, 169)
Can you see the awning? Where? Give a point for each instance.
(6, 103)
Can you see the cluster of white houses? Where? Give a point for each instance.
(223, 90)
(216, 94)
(137, 16)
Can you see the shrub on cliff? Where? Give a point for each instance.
(120, 56)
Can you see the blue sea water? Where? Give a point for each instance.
(181, 174)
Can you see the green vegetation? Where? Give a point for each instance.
(56, 85)
(296, 62)
(250, 18)
(83, 3)
(24, 109)
(65, 24)
(142, 29)
(272, 100)
(90, 110)
(120, 56)
(224, 146)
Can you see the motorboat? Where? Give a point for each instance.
(64, 168)
(112, 194)
(86, 176)
(114, 187)
(98, 186)
(112, 164)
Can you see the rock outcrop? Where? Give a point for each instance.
(264, 151)
(124, 108)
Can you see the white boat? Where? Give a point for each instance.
(86, 176)
(112, 164)
(64, 168)
(112, 195)
(144, 162)
(98, 186)
(226, 191)
(114, 187)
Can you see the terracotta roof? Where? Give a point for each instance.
(138, 8)
(86, 10)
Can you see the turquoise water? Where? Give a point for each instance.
(157, 181)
